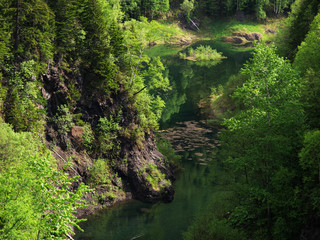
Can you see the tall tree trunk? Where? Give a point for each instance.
(17, 30)
(279, 6)
(133, 74)
(193, 23)
(246, 173)
(266, 162)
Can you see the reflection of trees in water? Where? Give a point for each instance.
(203, 78)
(188, 79)
(187, 75)
(178, 96)
(173, 105)
(193, 80)
(207, 64)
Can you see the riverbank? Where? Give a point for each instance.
(160, 221)
(181, 123)
(118, 192)
(239, 33)
(162, 48)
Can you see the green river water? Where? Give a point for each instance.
(182, 125)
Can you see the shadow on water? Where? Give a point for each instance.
(192, 139)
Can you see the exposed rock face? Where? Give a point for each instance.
(270, 31)
(257, 36)
(235, 40)
(249, 36)
(239, 38)
(137, 171)
(141, 167)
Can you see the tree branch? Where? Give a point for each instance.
(136, 69)
(140, 90)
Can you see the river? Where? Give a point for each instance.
(194, 141)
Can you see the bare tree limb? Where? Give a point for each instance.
(137, 66)
(140, 90)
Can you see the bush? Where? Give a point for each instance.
(63, 120)
(154, 176)
(202, 53)
(170, 156)
(107, 132)
(99, 172)
(88, 137)
(37, 197)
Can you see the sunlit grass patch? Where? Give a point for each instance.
(215, 29)
(163, 50)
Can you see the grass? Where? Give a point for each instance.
(167, 32)
(218, 28)
(210, 30)
(163, 50)
(215, 29)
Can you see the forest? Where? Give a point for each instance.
(81, 105)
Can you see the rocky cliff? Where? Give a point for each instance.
(134, 166)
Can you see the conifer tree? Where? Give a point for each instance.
(297, 26)
(68, 30)
(307, 62)
(98, 50)
(32, 30)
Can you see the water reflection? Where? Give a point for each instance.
(162, 221)
(194, 141)
(193, 81)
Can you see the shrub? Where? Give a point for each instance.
(99, 172)
(88, 137)
(202, 53)
(63, 120)
(154, 176)
(107, 132)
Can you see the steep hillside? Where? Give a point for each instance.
(73, 75)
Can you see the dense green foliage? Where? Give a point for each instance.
(35, 198)
(56, 58)
(84, 39)
(262, 144)
(147, 8)
(89, 55)
(270, 144)
(259, 8)
(297, 26)
(201, 53)
(307, 62)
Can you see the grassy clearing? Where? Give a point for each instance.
(177, 39)
(169, 32)
(163, 50)
(215, 29)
